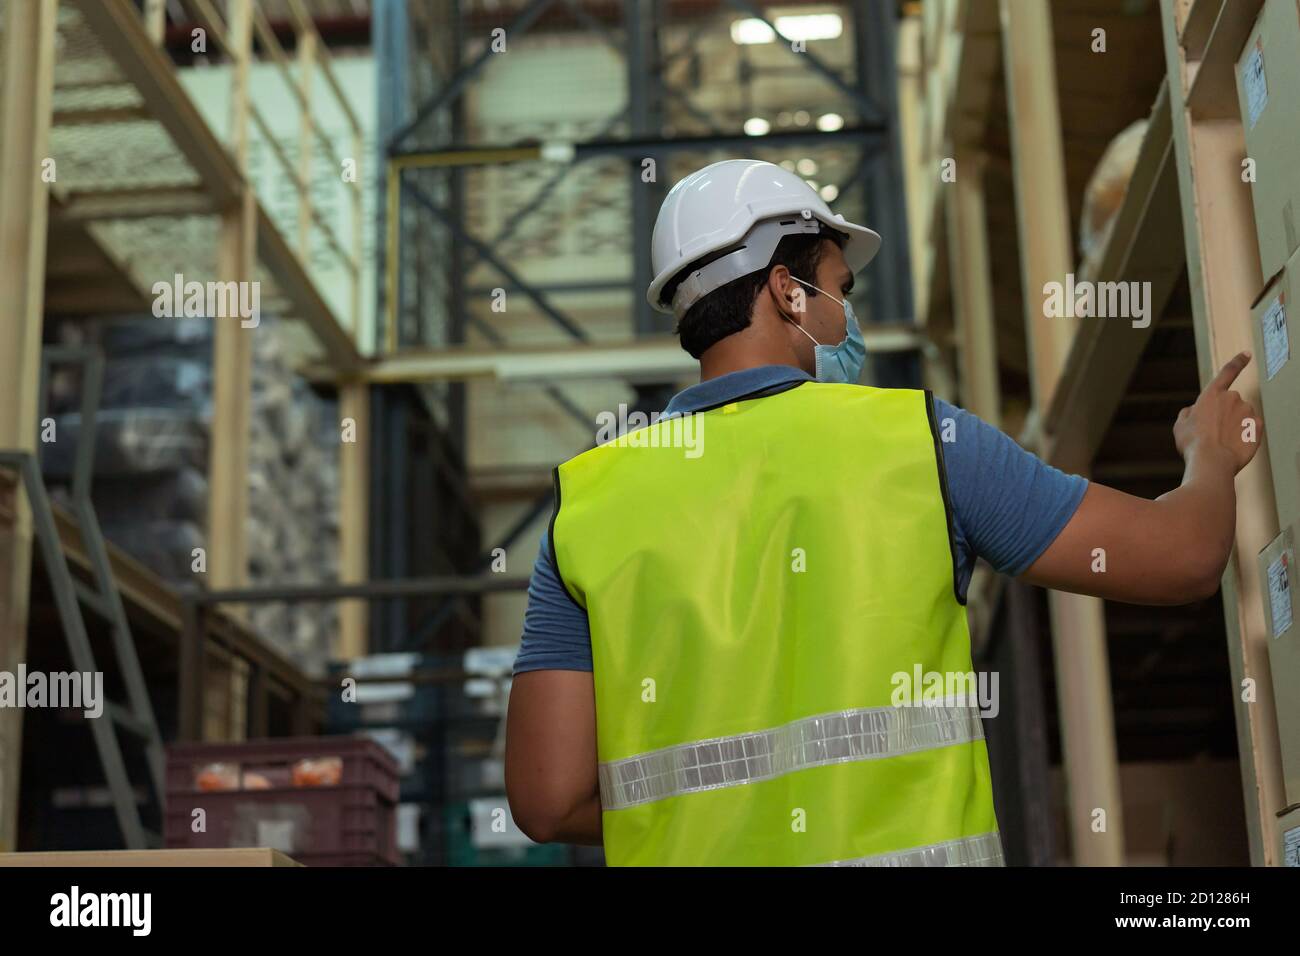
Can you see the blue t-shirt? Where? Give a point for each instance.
(1007, 505)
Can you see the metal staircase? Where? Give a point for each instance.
(135, 717)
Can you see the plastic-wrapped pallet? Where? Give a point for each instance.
(154, 338)
(298, 526)
(158, 382)
(180, 495)
(152, 456)
(151, 494)
(262, 544)
(131, 441)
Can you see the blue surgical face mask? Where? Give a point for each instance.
(843, 362)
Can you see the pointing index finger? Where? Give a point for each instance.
(1228, 374)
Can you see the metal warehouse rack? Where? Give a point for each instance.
(148, 186)
(140, 187)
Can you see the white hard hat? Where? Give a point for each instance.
(742, 204)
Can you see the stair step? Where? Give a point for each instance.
(93, 600)
(129, 721)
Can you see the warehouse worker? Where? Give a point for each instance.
(712, 642)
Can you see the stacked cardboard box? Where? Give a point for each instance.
(1277, 574)
(1288, 836)
(1274, 328)
(1268, 93)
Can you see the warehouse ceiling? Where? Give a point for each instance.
(103, 139)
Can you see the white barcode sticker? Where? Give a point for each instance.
(1279, 593)
(1252, 78)
(1277, 344)
(1291, 847)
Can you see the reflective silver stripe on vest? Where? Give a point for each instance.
(982, 850)
(863, 734)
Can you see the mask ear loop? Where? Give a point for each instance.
(805, 332)
(796, 324)
(839, 302)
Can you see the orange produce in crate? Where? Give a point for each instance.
(318, 772)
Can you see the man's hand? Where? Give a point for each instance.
(1217, 423)
(1171, 550)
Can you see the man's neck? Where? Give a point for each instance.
(710, 370)
(738, 352)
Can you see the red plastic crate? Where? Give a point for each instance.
(353, 819)
(365, 762)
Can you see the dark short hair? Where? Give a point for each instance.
(726, 310)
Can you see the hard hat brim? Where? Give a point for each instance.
(859, 250)
(862, 246)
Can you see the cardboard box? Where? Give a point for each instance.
(237, 857)
(1268, 93)
(1277, 575)
(1288, 837)
(1275, 331)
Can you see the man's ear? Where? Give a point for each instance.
(782, 288)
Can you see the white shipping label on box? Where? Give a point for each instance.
(1291, 847)
(1277, 344)
(1279, 593)
(1255, 84)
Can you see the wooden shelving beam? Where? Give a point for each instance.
(1105, 352)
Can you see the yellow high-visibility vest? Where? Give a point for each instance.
(753, 600)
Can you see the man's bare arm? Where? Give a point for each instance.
(1171, 550)
(551, 780)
